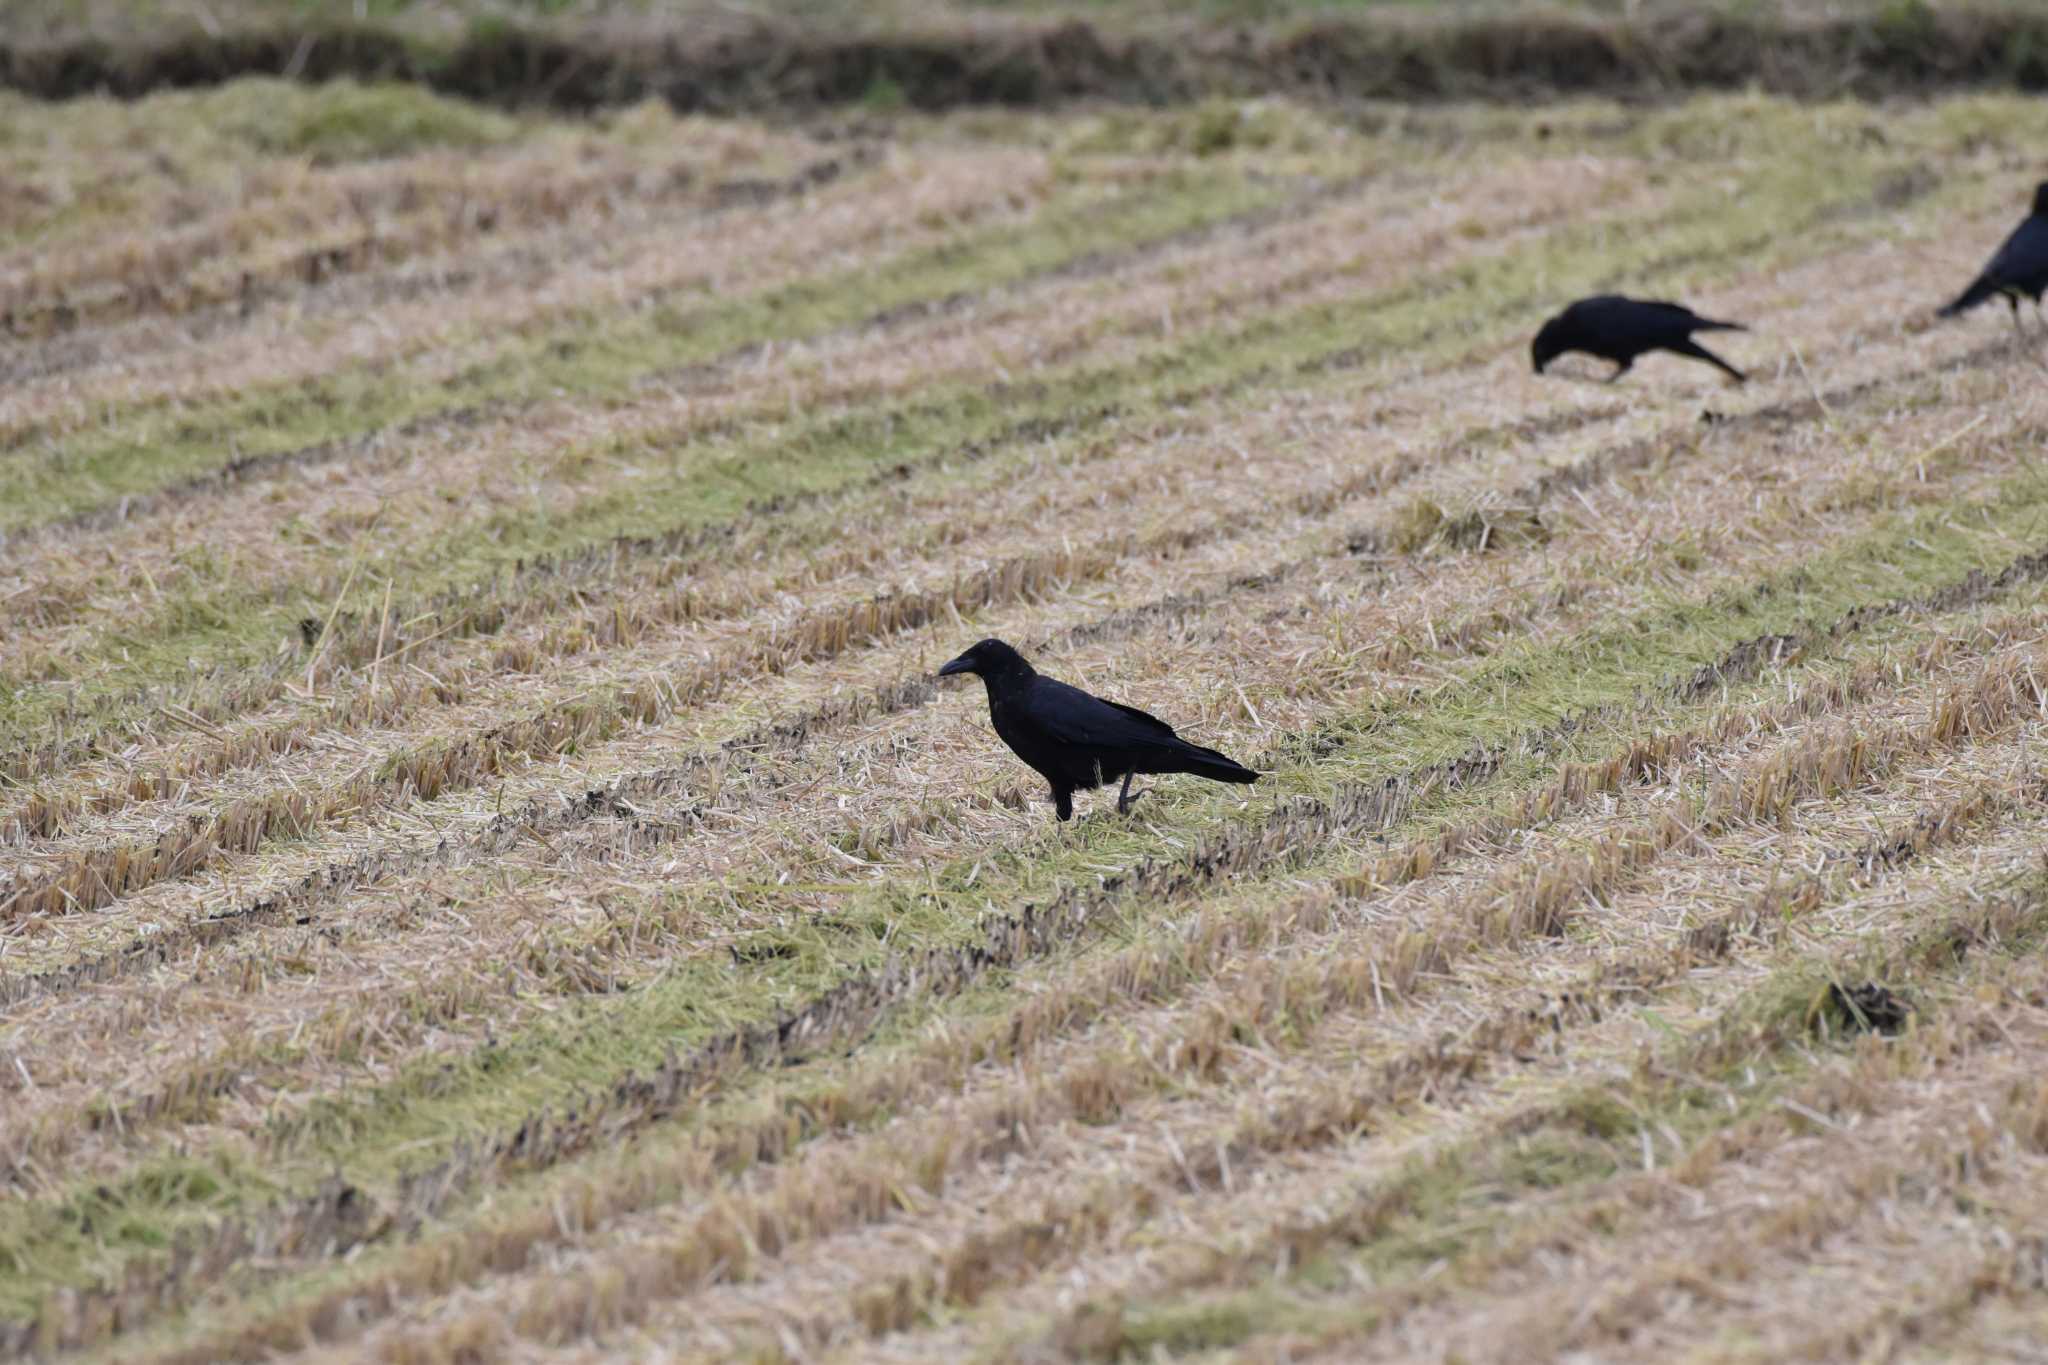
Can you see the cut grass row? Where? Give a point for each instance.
(1015, 159)
(228, 629)
(1549, 1004)
(107, 872)
(685, 823)
(919, 1170)
(1566, 1172)
(437, 318)
(1260, 1035)
(1206, 856)
(600, 624)
(1401, 973)
(834, 430)
(210, 616)
(599, 357)
(554, 822)
(1006, 883)
(361, 629)
(292, 226)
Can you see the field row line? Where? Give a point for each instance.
(850, 1013)
(1767, 1029)
(870, 1183)
(650, 830)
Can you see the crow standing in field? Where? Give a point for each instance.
(2020, 267)
(1077, 741)
(1619, 329)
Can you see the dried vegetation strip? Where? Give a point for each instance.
(234, 633)
(1284, 1001)
(525, 1144)
(444, 323)
(594, 634)
(1882, 1153)
(600, 359)
(559, 164)
(295, 804)
(597, 629)
(577, 969)
(1408, 1236)
(1416, 626)
(297, 223)
(1816, 1186)
(165, 456)
(332, 584)
(441, 318)
(1033, 322)
(1152, 1181)
(119, 868)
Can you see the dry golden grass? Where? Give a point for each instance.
(636, 951)
(378, 974)
(996, 529)
(1252, 1007)
(1283, 702)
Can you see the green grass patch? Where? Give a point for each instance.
(347, 121)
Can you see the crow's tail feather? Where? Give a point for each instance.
(1980, 289)
(1699, 352)
(1213, 765)
(1710, 325)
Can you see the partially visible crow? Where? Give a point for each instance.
(2020, 267)
(1619, 329)
(1077, 741)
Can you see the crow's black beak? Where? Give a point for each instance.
(963, 664)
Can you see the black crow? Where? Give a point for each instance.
(1076, 741)
(1619, 329)
(2020, 267)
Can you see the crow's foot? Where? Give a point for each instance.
(1126, 798)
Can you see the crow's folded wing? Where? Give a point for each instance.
(1071, 716)
(1675, 315)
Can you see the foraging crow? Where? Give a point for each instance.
(1619, 329)
(1077, 741)
(2019, 267)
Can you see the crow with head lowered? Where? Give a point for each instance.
(1620, 329)
(1077, 741)
(2018, 268)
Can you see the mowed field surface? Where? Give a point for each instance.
(486, 869)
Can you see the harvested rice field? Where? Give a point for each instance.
(487, 870)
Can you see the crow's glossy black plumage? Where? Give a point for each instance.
(2019, 268)
(1620, 329)
(1077, 741)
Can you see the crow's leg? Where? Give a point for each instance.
(1127, 798)
(1063, 802)
(1621, 367)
